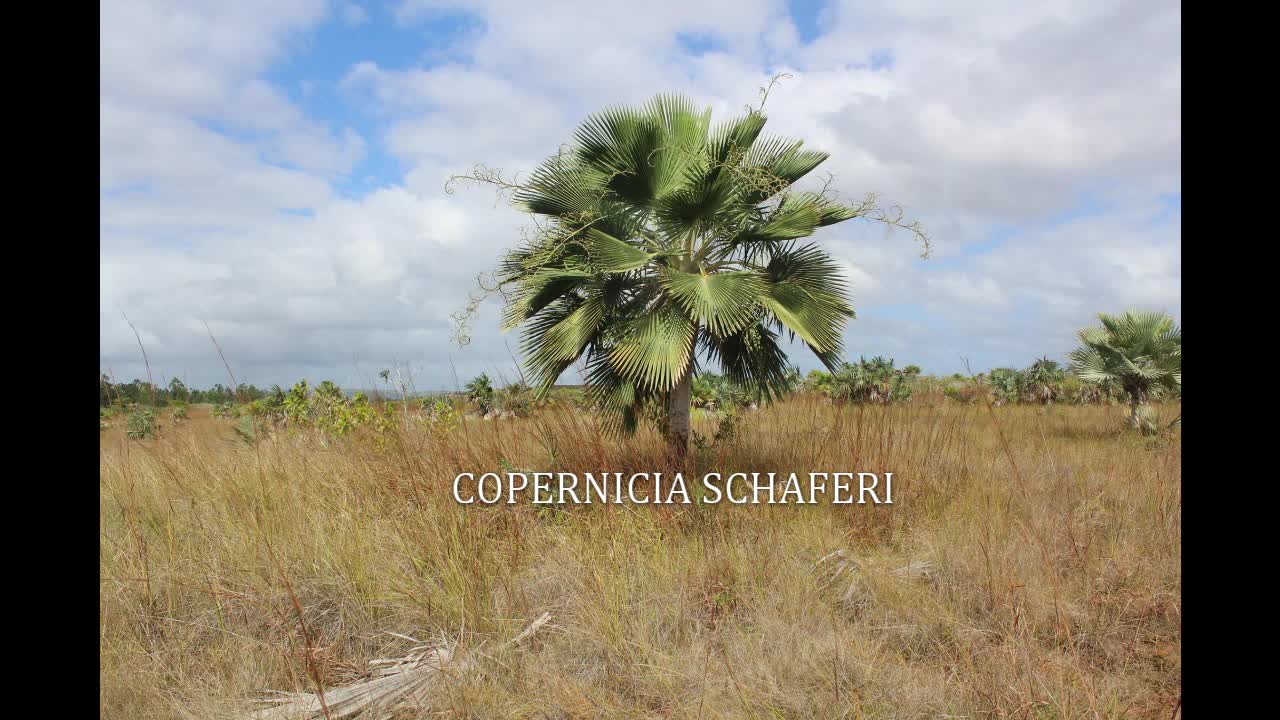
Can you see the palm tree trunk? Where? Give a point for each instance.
(678, 415)
(1135, 419)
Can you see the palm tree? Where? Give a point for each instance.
(818, 381)
(662, 239)
(1137, 351)
(1005, 382)
(851, 382)
(1041, 379)
(480, 391)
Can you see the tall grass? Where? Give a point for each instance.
(1052, 591)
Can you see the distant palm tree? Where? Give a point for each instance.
(1041, 379)
(874, 381)
(1137, 351)
(662, 237)
(480, 391)
(1007, 383)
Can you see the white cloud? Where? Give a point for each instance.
(1054, 128)
(861, 283)
(965, 290)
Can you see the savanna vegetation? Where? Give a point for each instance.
(1029, 567)
(1132, 373)
(306, 541)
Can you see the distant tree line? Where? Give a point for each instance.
(1132, 358)
(141, 392)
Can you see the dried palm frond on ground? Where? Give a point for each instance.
(396, 683)
(848, 579)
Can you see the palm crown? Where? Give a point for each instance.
(662, 238)
(1139, 351)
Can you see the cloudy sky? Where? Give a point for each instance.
(275, 171)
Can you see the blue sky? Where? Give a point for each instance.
(277, 171)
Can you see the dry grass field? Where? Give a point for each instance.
(1030, 567)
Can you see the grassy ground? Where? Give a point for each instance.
(1034, 576)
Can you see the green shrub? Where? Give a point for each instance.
(141, 423)
(516, 398)
(247, 429)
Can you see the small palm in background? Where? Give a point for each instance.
(1041, 380)
(480, 391)
(874, 380)
(1140, 352)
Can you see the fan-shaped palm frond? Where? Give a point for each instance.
(1137, 351)
(662, 236)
